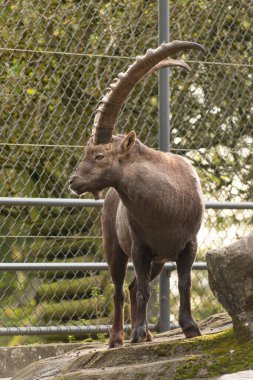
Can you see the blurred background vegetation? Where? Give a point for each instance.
(57, 58)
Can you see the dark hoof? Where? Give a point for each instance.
(191, 330)
(116, 340)
(141, 334)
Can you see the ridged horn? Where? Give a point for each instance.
(111, 104)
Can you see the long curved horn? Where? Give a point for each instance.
(111, 104)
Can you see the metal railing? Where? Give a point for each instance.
(164, 322)
(69, 202)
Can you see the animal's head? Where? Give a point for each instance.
(101, 165)
(105, 154)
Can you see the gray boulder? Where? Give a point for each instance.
(230, 271)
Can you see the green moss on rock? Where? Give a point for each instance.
(188, 370)
(215, 355)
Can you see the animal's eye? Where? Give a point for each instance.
(99, 157)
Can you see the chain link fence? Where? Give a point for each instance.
(57, 58)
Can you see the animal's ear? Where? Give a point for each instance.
(128, 142)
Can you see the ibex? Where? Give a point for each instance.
(153, 209)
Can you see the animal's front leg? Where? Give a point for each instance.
(155, 270)
(117, 261)
(142, 265)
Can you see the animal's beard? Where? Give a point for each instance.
(97, 194)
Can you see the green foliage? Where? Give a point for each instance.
(71, 339)
(211, 108)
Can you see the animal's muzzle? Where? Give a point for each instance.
(75, 184)
(72, 180)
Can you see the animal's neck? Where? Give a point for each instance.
(142, 186)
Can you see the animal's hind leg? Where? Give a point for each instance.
(184, 264)
(117, 267)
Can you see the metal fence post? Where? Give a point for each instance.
(164, 87)
(164, 301)
(164, 145)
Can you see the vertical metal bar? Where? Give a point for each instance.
(164, 88)
(164, 145)
(164, 301)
